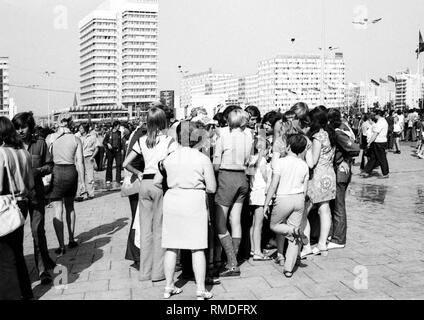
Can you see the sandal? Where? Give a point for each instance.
(171, 291)
(288, 274)
(257, 257)
(316, 251)
(204, 295)
(299, 235)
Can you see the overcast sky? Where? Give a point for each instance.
(227, 35)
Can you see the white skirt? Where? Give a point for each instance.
(257, 197)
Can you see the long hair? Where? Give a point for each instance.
(24, 120)
(301, 111)
(8, 134)
(156, 122)
(319, 120)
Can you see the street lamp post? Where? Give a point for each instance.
(48, 74)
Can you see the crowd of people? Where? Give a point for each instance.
(205, 193)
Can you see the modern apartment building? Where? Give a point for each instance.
(409, 89)
(4, 86)
(119, 58)
(198, 83)
(287, 79)
(279, 83)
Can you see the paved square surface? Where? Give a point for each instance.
(384, 258)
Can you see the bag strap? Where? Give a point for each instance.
(9, 176)
(51, 145)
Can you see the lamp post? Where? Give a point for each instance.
(48, 74)
(323, 62)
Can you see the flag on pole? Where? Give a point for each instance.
(420, 45)
(375, 83)
(391, 78)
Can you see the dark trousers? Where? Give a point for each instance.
(15, 283)
(390, 140)
(43, 262)
(132, 253)
(378, 158)
(116, 155)
(338, 212)
(100, 158)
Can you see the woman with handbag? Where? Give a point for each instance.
(16, 188)
(130, 188)
(346, 149)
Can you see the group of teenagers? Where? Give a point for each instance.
(193, 184)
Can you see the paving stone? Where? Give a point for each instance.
(124, 294)
(122, 283)
(88, 286)
(324, 289)
(108, 274)
(244, 283)
(367, 295)
(286, 293)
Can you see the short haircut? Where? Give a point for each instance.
(237, 119)
(116, 123)
(24, 120)
(86, 127)
(297, 143)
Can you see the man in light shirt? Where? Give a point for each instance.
(378, 145)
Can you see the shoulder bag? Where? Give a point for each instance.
(11, 217)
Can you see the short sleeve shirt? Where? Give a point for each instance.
(293, 173)
(165, 145)
(381, 127)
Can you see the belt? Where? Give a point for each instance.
(231, 170)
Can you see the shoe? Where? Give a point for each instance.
(332, 245)
(45, 278)
(365, 175)
(420, 156)
(230, 272)
(72, 244)
(288, 274)
(169, 292)
(384, 177)
(316, 252)
(300, 236)
(204, 295)
(210, 281)
(108, 182)
(60, 251)
(257, 257)
(305, 253)
(280, 260)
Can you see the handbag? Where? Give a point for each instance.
(11, 217)
(131, 185)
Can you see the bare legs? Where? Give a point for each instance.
(199, 267)
(325, 225)
(256, 230)
(58, 205)
(58, 221)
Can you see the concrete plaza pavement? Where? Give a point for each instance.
(384, 257)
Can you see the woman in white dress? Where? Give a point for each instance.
(189, 175)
